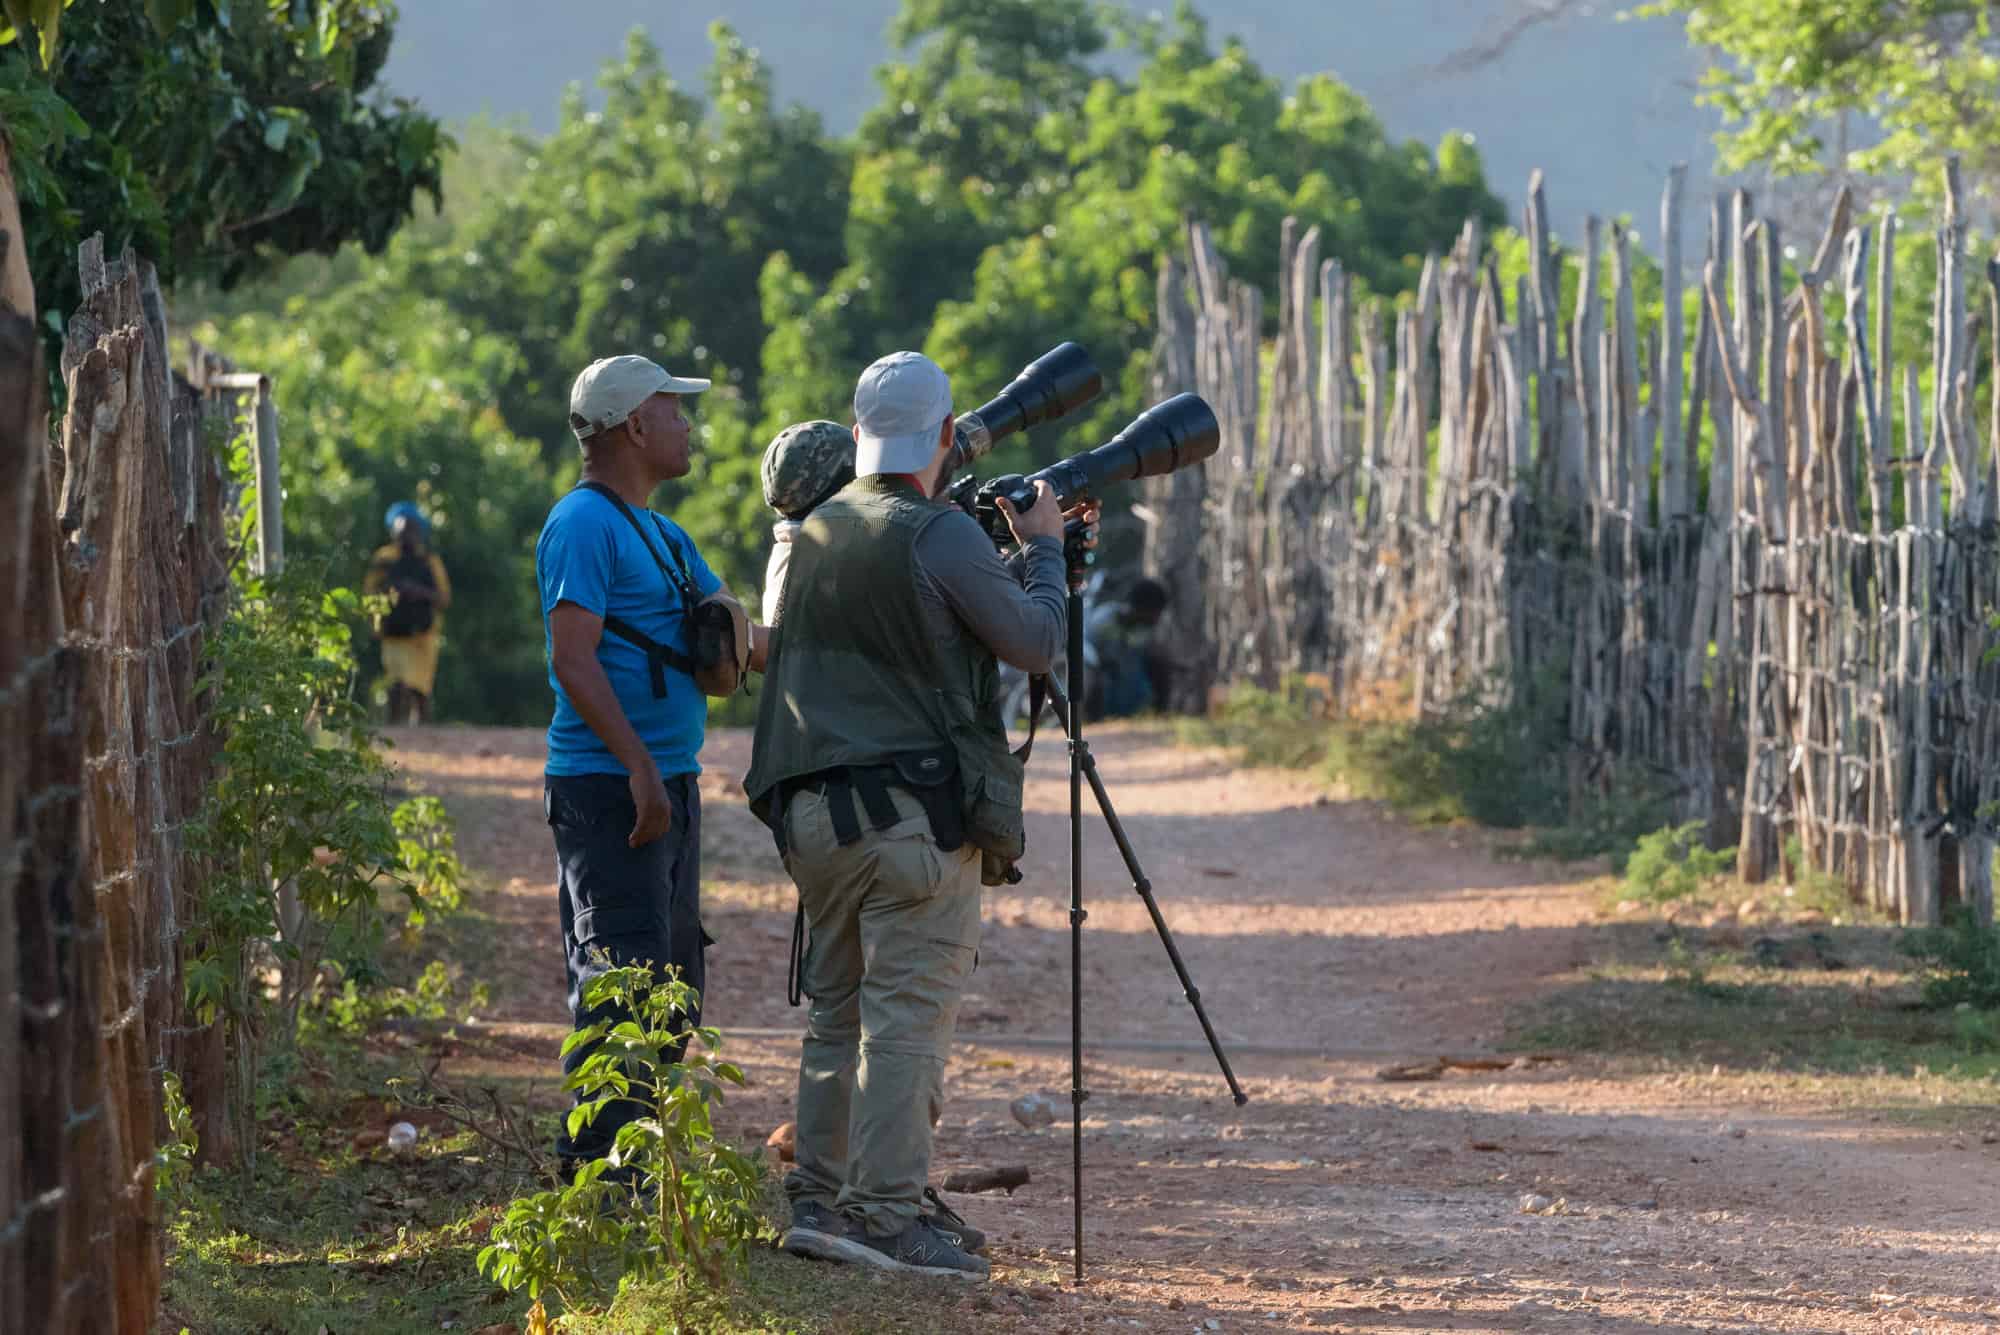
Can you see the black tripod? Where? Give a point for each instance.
(1083, 765)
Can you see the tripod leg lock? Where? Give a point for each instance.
(1077, 917)
(1077, 1096)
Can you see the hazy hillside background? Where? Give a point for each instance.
(1603, 106)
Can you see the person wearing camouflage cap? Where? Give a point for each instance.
(805, 464)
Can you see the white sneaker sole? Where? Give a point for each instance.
(815, 1244)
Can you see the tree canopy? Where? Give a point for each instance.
(217, 139)
(1006, 193)
(1925, 75)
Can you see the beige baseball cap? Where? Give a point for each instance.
(607, 391)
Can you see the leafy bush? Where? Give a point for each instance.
(1976, 1030)
(1673, 863)
(671, 1201)
(355, 996)
(307, 851)
(1285, 728)
(1960, 961)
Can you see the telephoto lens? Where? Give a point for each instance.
(1167, 436)
(1059, 381)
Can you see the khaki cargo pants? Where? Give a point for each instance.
(894, 925)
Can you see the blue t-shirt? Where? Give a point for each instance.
(589, 555)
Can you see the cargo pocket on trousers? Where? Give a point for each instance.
(625, 932)
(911, 863)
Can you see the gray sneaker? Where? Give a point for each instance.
(920, 1249)
(951, 1223)
(821, 1232)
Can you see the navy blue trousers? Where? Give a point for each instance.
(634, 905)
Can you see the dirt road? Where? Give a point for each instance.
(1328, 941)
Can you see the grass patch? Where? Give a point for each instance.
(325, 1232)
(1494, 757)
(783, 1295)
(1836, 1010)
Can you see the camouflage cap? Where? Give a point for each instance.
(806, 463)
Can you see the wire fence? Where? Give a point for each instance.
(114, 576)
(1744, 590)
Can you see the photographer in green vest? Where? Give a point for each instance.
(882, 767)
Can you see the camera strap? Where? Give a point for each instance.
(677, 574)
(1038, 695)
(659, 657)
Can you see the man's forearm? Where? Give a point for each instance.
(589, 690)
(1017, 612)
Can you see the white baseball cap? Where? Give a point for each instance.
(610, 388)
(899, 405)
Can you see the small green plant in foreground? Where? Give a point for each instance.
(672, 1201)
(1673, 864)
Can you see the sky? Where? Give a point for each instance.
(1602, 106)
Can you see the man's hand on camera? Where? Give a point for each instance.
(1040, 520)
(656, 814)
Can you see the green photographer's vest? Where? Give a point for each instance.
(856, 677)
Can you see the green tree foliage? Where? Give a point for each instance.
(301, 802)
(1927, 73)
(1006, 194)
(215, 138)
(641, 228)
(1205, 134)
(386, 395)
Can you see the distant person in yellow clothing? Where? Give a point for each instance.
(413, 577)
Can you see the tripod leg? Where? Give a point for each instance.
(1073, 721)
(1143, 885)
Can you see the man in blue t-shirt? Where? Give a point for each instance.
(620, 790)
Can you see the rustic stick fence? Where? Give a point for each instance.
(1787, 630)
(111, 576)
